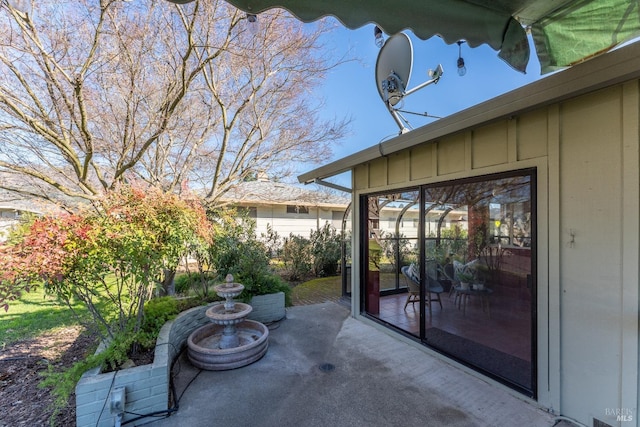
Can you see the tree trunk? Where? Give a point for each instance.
(168, 283)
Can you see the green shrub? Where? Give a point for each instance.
(234, 240)
(157, 312)
(272, 241)
(296, 255)
(237, 251)
(183, 283)
(326, 251)
(193, 281)
(263, 285)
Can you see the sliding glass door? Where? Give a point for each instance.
(467, 286)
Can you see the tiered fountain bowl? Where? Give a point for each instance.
(230, 341)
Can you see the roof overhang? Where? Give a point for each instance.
(251, 203)
(606, 70)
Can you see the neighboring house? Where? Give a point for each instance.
(10, 214)
(14, 206)
(12, 210)
(550, 171)
(287, 208)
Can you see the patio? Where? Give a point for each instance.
(326, 368)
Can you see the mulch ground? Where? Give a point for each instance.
(22, 402)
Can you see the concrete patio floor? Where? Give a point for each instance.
(324, 368)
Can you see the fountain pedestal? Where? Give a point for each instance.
(230, 341)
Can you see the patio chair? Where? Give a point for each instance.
(447, 272)
(413, 285)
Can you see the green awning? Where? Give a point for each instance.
(582, 30)
(452, 20)
(564, 31)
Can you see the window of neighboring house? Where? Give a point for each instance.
(251, 211)
(295, 209)
(10, 214)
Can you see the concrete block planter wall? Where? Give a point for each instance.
(146, 387)
(267, 308)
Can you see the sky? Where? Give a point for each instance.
(350, 89)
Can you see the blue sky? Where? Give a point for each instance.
(350, 89)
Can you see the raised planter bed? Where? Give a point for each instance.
(146, 387)
(267, 308)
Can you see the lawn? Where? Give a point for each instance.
(317, 290)
(34, 314)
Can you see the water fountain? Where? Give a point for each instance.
(230, 340)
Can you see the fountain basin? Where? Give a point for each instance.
(229, 289)
(204, 352)
(221, 315)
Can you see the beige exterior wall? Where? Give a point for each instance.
(300, 224)
(586, 152)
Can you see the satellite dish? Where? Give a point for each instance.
(393, 71)
(393, 68)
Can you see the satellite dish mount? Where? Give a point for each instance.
(393, 71)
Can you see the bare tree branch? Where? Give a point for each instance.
(93, 92)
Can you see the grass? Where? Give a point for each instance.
(318, 290)
(32, 315)
(36, 313)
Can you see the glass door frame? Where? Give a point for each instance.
(531, 173)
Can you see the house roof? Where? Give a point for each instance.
(25, 201)
(615, 67)
(276, 193)
(20, 203)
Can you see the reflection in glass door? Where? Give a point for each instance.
(467, 288)
(482, 243)
(391, 242)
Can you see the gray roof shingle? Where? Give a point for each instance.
(268, 192)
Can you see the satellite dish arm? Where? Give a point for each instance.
(393, 71)
(436, 77)
(398, 119)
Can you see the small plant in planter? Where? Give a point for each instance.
(267, 284)
(465, 279)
